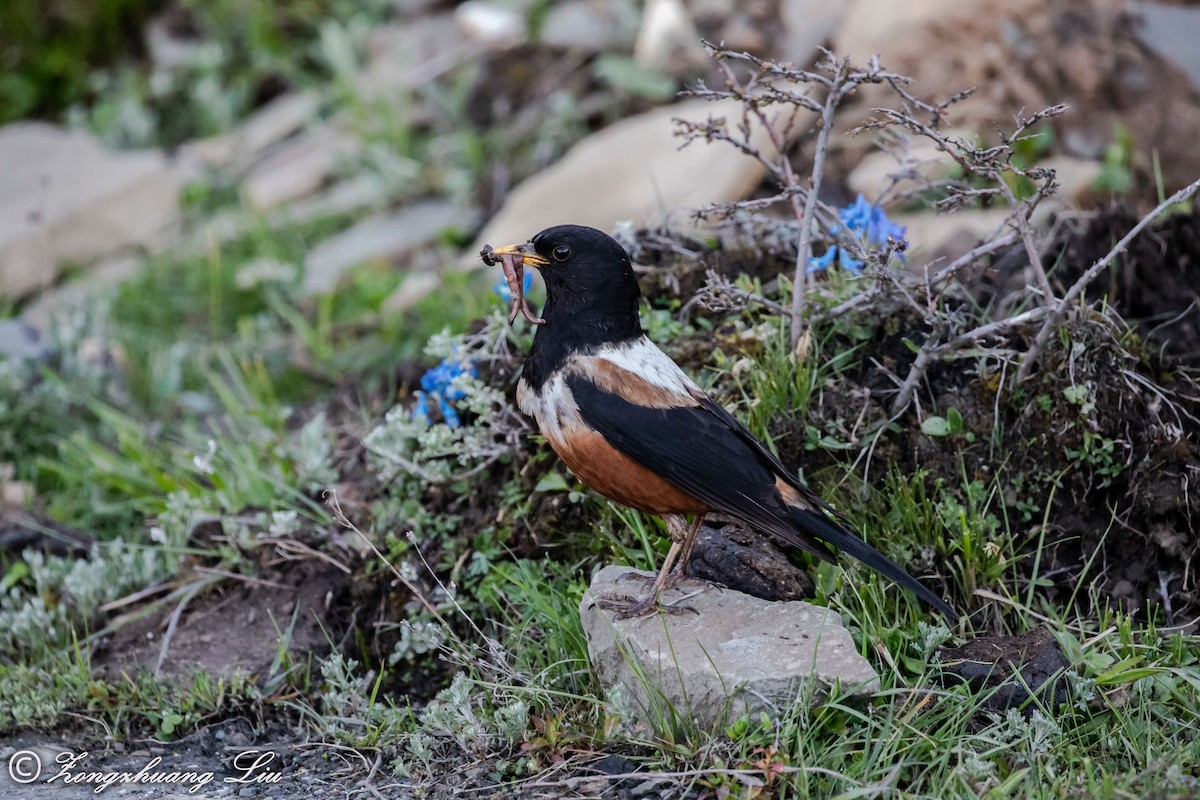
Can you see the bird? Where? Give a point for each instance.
(634, 427)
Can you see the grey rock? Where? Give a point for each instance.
(1172, 31)
(403, 55)
(60, 304)
(64, 197)
(913, 162)
(946, 236)
(734, 654)
(21, 342)
(168, 49)
(243, 146)
(633, 170)
(343, 197)
(667, 39)
(590, 24)
(806, 25)
(298, 168)
(741, 33)
(490, 23)
(386, 236)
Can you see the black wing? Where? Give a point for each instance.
(699, 451)
(705, 451)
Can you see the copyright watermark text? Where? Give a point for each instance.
(71, 769)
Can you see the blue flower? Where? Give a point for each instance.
(844, 260)
(868, 222)
(857, 216)
(500, 287)
(438, 384)
(421, 409)
(847, 263)
(819, 263)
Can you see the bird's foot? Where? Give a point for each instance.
(674, 578)
(627, 607)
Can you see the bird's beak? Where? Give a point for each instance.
(525, 251)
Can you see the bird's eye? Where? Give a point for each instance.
(562, 253)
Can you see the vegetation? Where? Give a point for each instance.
(207, 432)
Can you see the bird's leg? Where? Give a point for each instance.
(677, 529)
(680, 572)
(682, 536)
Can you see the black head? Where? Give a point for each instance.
(591, 295)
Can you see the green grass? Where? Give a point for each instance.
(527, 697)
(225, 399)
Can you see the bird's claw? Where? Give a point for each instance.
(673, 579)
(626, 607)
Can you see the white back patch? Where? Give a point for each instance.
(642, 357)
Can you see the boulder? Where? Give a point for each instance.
(1022, 56)
(633, 170)
(724, 655)
(381, 237)
(242, 146)
(298, 167)
(66, 198)
(593, 25)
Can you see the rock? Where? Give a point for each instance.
(298, 168)
(264, 270)
(64, 197)
(169, 49)
(1006, 670)
(415, 8)
(272, 123)
(386, 236)
(1171, 31)
(735, 654)
(740, 33)
(490, 23)
(941, 238)
(15, 494)
(746, 562)
(344, 197)
(1024, 55)
(55, 305)
(401, 56)
(20, 341)
(633, 170)
(1076, 176)
(807, 24)
(667, 40)
(590, 25)
(922, 158)
(416, 286)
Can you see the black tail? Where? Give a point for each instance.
(825, 529)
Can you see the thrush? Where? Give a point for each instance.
(631, 425)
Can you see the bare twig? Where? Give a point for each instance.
(721, 294)
(770, 85)
(1073, 294)
(971, 257)
(804, 248)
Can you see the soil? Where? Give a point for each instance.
(1121, 532)
(1108, 439)
(1116, 481)
(239, 625)
(1155, 285)
(1008, 670)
